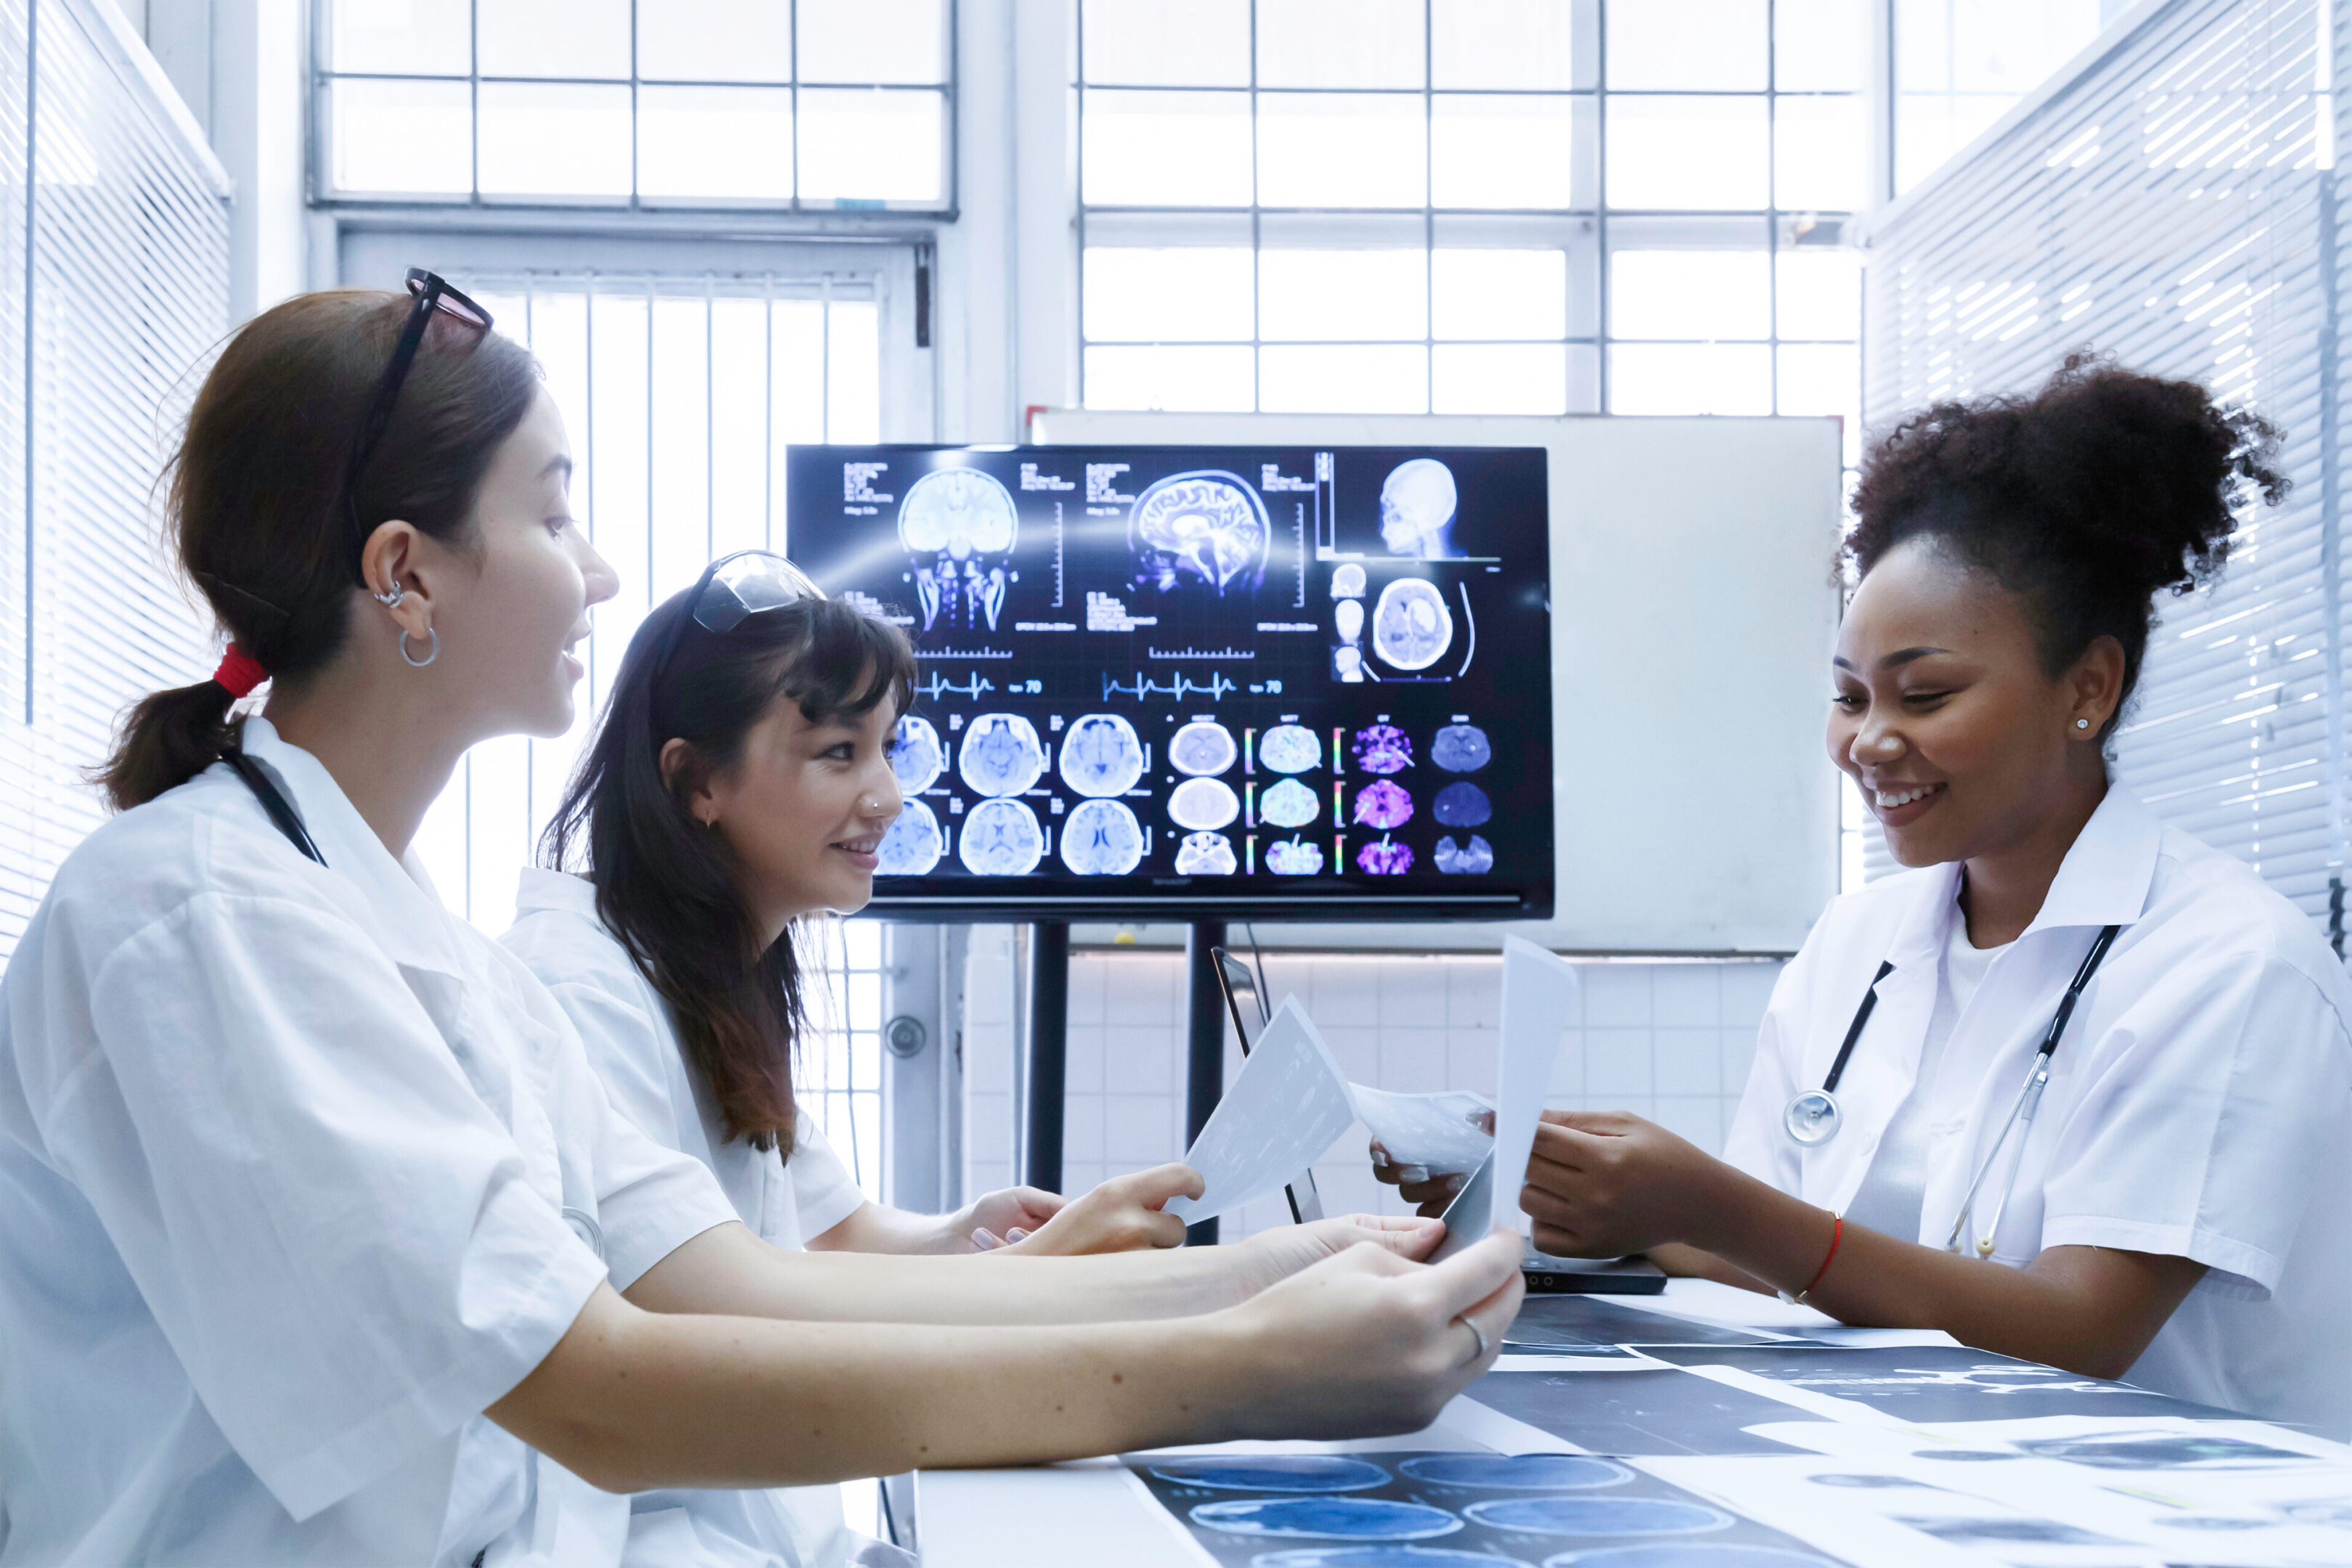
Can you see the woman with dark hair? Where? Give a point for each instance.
(2075, 1089)
(323, 1244)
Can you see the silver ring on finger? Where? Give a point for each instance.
(1479, 1336)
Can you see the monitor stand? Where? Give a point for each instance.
(1049, 1051)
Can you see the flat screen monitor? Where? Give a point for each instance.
(1173, 683)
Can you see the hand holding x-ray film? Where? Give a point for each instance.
(1288, 1105)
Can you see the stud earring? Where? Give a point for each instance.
(389, 599)
(2082, 723)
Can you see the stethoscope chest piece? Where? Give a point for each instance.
(1812, 1118)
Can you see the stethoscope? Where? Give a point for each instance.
(1813, 1117)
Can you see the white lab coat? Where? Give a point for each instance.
(631, 1041)
(299, 1174)
(2196, 1105)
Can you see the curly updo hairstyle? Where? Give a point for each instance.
(2085, 500)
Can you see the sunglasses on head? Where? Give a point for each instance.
(432, 296)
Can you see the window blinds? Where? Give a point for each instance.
(2170, 204)
(114, 293)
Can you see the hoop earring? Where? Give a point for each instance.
(432, 654)
(389, 599)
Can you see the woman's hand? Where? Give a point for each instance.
(1122, 1215)
(1273, 1255)
(1428, 1193)
(1602, 1183)
(1006, 1214)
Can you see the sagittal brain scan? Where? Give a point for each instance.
(1230, 682)
(1001, 754)
(1101, 756)
(1102, 838)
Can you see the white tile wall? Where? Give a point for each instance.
(1668, 1040)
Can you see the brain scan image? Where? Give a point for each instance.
(1474, 858)
(1384, 806)
(1411, 628)
(1347, 619)
(1461, 804)
(1101, 755)
(916, 756)
(1382, 749)
(1347, 582)
(1294, 858)
(1001, 754)
(1206, 854)
(1289, 805)
(1101, 838)
(959, 524)
(1203, 806)
(1347, 665)
(1290, 749)
(1384, 858)
(1002, 839)
(912, 845)
(1207, 526)
(1201, 747)
(1417, 505)
(1461, 749)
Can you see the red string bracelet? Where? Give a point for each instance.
(239, 672)
(1836, 1236)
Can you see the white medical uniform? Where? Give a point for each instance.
(631, 1041)
(299, 1174)
(2196, 1105)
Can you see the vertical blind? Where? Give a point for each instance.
(113, 294)
(2173, 206)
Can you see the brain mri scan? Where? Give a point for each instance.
(1289, 805)
(1102, 838)
(1348, 580)
(1348, 620)
(1100, 755)
(959, 524)
(1472, 860)
(1001, 754)
(1417, 506)
(1002, 839)
(1206, 526)
(912, 846)
(1461, 804)
(1383, 805)
(1203, 806)
(1411, 628)
(1461, 749)
(916, 756)
(1290, 749)
(1382, 749)
(1294, 858)
(1206, 854)
(1203, 747)
(1384, 858)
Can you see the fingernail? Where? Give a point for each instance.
(1413, 1175)
(985, 1239)
(1015, 1234)
(1379, 1158)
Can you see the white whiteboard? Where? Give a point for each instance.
(1693, 614)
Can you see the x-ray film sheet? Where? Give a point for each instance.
(1288, 1104)
(1447, 1133)
(1538, 989)
(1936, 1382)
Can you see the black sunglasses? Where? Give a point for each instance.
(434, 295)
(733, 588)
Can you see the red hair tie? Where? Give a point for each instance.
(239, 672)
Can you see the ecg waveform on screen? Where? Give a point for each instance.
(935, 685)
(1143, 687)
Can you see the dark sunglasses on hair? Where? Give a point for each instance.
(433, 295)
(735, 587)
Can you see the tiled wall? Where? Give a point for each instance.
(1668, 1040)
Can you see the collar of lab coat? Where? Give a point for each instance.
(541, 889)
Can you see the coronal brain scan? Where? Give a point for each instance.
(1203, 746)
(1100, 755)
(1002, 839)
(1411, 628)
(1001, 754)
(1208, 528)
(1181, 682)
(1102, 838)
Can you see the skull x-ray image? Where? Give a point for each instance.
(1417, 506)
(1290, 805)
(1411, 628)
(1102, 838)
(1101, 755)
(1203, 806)
(1348, 580)
(1206, 854)
(1203, 746)
(1002, 839)
(916, 756)
(1290, 749)
(1001, 754)
(1206, 527)
(960, 525)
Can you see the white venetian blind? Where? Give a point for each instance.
(113, 294)
(2170, 205)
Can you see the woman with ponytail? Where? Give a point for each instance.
(323, 1244)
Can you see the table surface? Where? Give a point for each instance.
(1746, 1345)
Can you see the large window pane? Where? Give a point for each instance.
(1688, 154)
(426, 37)
(1350, 379)
(1500, 43)
(1342, 150)
(1176, 295)
(872, 41)
(1499, 378)
(1690, 378)
(871, 144)
(1340, 43)
(1824, 378)
(554, 140)
(1208, 380)
(553, 37)
(716, 40)
(1690, 294)
(1820, 292)
(1711, 46)
(1166, 149)
(1817, 45)
(1501, 151)
(1820, 153)
(715, 143)
(1342, 294)
(404, 138)
(1960, 64)
(1170, 43)
(1499, 294)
